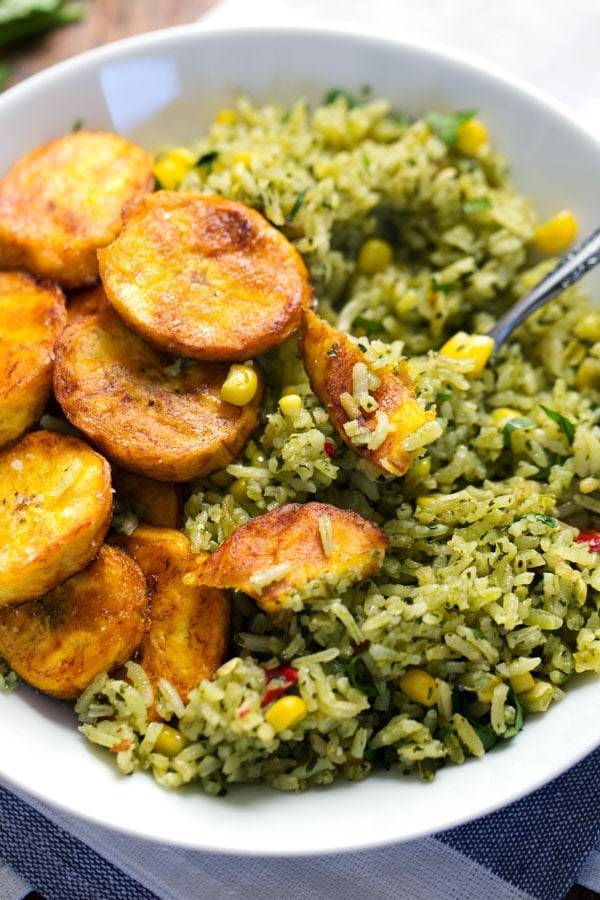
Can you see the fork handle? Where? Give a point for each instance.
(580, 260)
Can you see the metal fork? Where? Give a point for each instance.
(578, 261)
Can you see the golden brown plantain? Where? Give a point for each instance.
(275, 556)
(87, 302)
(62, 201)
(329, 359)
(55, 508)
(154, 416)
(154, 502)
(32, 316)
(93, 622)
(189, 623)
(204, 277)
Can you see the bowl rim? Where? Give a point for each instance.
(476, 66)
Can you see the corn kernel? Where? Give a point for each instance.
(523, 682)
(239, 490)
(588, 374)
(537, 699)
(504, 414)
(485, 694)
(588, 328)
(286, 712)
(244, 158)
(290, 404)
(170, 742)
(375, 255)
(556, 233)
(408, 418)
(475, 347)
(471, 136)
(172, 168)
(420, 686)
(240, 386)
(226, 117)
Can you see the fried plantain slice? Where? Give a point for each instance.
(293, 551)
(189, 623)
(160, 418)
(88, 625)
(62, 201)
(329, 359)
(204, 277)
(154, 502)
(32, 316)
(87, 302)
(55, 508)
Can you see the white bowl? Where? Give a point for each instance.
(165, 86)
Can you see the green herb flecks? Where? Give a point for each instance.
(517, 725)
(77, 125)
(477, 204)
(297, 206)
(446, 126)
(206, 160)
(513, 425)
(337, 94)
(359, 675)
(565, 425)
(4, 73)
(442, 398)
(546, 520)
(367, 325)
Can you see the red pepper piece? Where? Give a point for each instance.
(329, 449)
(589, 537)
(285, 676)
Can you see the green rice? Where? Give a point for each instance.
(483, 581)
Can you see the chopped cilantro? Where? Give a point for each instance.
(547, 520)
(477, 204)
(368, 325)
(446, 126)
(486, 734)
(337, 94)
(517, 725)
(297, 206)
(565, 425)
(514, 425)
(441, 288)
(207, 159)
(359, 675)
(4, 73)
(442, 398)
(77, 125)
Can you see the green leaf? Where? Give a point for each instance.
(367, 325)
(486, 734)
(359, 675)
(446, 126)
(547, 520)
(565, 425)
(4, 73)
(207, 159)
(441, 288)
(477, 204)
(517, 725)
(544, 474)
(337, 94)
(77, 125)
(514, 425)
(21, 19)
(297, 206)
(441, 398)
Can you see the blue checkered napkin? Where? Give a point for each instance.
(531, 849)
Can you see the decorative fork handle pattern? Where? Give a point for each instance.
(580, 260)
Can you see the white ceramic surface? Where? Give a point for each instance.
(165, 87)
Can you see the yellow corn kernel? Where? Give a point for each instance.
(471, 136)
(290, 404)
(539, 698)
(286, 712)
(475, 347)
(588, 328)
(504, 414)
(485, 694)
(239, 490)
(222, 478)
(420, 686)
(244, 157)
(409, 418)
(170, 742)
(172, 168)
(240, 386)
(556, 233)
(375, 255)
(226, 116)
(588, 374)
(523, 682)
